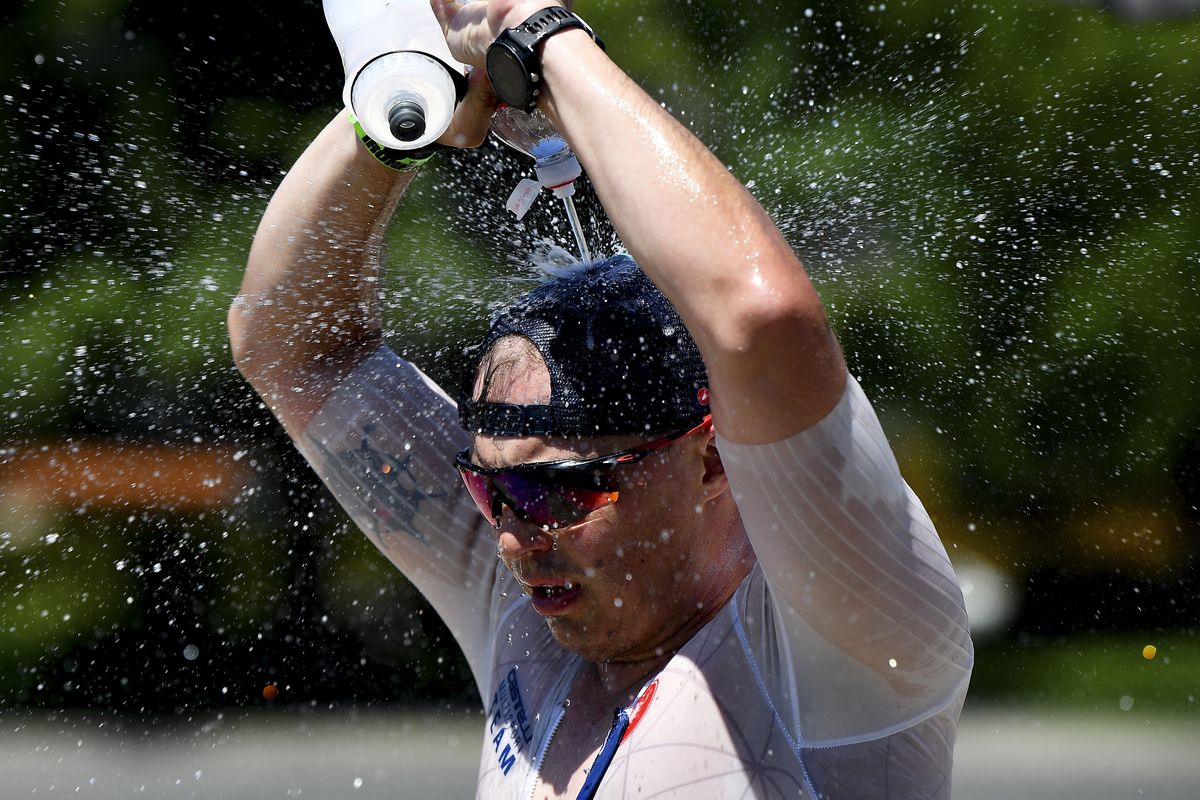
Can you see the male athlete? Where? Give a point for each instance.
(670, 537)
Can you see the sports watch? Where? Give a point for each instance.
(513, 64)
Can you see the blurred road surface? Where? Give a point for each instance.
(373, 755)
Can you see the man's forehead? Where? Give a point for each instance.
(506, 451)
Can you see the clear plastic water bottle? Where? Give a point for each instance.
(401, 81)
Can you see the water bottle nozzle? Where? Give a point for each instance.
(407, 120)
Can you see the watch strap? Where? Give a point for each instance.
(545, 23)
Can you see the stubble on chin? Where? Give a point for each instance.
(582, 640)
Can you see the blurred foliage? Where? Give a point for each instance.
(1094, 672)
(998, 202)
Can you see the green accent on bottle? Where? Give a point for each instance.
(400, 160)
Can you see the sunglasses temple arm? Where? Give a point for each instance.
(497, 509)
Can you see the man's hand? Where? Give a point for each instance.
(469, 126)
(471, 28)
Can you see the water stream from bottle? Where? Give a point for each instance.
(576, 228)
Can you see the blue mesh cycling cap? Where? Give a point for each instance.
(619, 357)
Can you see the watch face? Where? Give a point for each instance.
(509, 79)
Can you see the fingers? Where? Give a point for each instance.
(445, 11)
(466, 28)
(468, 34)
(474, 115)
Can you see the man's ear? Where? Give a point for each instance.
(716, 482)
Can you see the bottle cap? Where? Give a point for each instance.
(411, 89)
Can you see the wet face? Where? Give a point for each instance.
(631, 580)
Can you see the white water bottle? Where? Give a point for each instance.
(401, 81)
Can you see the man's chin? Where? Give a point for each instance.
(583, 640)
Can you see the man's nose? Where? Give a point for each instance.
(518, 539)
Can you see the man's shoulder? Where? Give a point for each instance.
(384, 397)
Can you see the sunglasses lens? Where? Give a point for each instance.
(477, 487)
(548, 497)
(547, 502)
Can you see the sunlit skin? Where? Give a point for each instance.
(671, 550)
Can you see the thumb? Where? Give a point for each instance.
(474, 115)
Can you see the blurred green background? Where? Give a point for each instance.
(999, 202)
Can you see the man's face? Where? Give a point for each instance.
(627, 581)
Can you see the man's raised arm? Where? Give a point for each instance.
(774, 364)
(308, 310)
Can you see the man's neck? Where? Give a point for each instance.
(625, 678)
(620, 681)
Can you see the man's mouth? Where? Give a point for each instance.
(550, 600)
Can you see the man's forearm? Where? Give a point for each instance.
(308, 304)
(706, 242)
(654, 177)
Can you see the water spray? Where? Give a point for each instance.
(554, 163)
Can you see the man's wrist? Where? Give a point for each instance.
(573, 37)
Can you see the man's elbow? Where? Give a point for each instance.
(241, 341)
(765, 321)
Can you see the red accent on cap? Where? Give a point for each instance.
(702, 396)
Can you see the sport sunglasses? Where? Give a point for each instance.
(553, 494)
